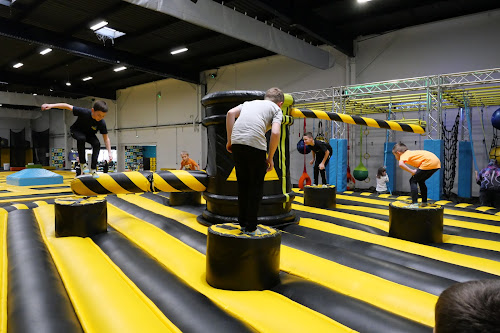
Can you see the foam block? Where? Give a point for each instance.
(30, 177)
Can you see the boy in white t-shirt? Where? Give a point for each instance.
(246, 127)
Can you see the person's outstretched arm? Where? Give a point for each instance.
(107, 142)
(230, 119)
(273, 144)
(64, 106)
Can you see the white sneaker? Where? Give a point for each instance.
(94, 173)
(85, 168)
(413, 205)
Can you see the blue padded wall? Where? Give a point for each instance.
(464, 169)
(338, 164)
(390, 165)
(435, 183)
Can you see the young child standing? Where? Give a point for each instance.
(382, 180)
(246, 126)
(188, 163)
(426, 164)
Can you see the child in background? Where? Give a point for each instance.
(426, 163)
(187, 163)
(382, 180)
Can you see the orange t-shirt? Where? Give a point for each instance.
(189, 165)
(422, 159)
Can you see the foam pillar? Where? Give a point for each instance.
(338, 164)
(435, 183)
(390, 165)
(465, 169)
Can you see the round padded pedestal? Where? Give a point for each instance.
(81, 217)
(320, 196)
(184, 198)
(237, 261)
(422, 224)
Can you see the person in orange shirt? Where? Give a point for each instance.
(187, 163)
(426, 164)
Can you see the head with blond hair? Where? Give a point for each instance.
(399, 148)
(275, 95)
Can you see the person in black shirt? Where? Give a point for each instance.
(83, 130)
(321, 152)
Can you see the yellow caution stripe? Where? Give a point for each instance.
(357, 120)
(99, 290)
(112, 183)
(180, 181)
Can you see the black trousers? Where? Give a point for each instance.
(250, 165)
(317, 171)
(490, 198)
(91, 138)
(419, 178)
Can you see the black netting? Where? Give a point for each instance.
(40, 147)
(450, 156)
(17, 148)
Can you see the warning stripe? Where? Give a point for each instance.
(357, 120)
(117, 183)
(180, 181)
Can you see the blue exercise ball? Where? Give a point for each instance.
(300, 147)
(495, 119)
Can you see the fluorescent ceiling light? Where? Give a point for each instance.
(111, 33)
(35, 94)
(19, 64)
(47, 50)
(184, 49)
(87, 78)
(119, 68)
(99, 25)
(363, 1)
(68, 83)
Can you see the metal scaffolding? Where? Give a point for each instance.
(429, 95)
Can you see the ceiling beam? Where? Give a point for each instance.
(43, 84)
(90, 50)
(220, 18)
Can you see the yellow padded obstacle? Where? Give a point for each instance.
(356, 120)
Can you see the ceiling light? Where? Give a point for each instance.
(99, 25)
(19, 64)
(44, 52)
(68, 83)
(183, 49)
(119, 68)
(35, 94)
(363, 1)
(87, 78)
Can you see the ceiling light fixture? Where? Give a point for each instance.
(99, 25)
(183, 49)
(87, 78)
(34, 94)
(47, 50)
(119, 68)
(363, 1)
(19, 64)
(68, 83)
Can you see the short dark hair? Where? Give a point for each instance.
(275, 95)
(309, 134)
(469, 307)
(100, 106)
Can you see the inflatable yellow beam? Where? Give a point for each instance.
(357, 120)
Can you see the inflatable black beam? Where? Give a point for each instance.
(36, 298)
(320, 196)
(221, 194)
(184, 198)
(422, 224)
(237, 261)
(81, 217)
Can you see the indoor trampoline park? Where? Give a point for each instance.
(134, 196)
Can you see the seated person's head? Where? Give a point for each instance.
(308, 139)
(99, 110)
(469, 307)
